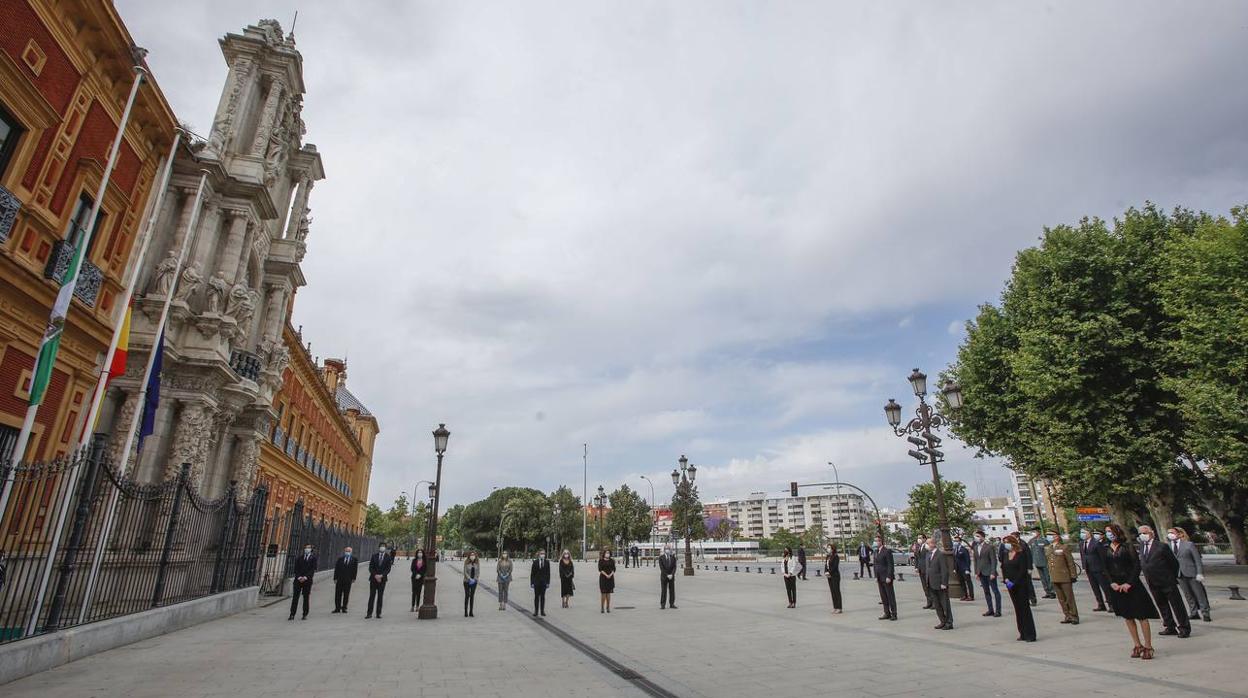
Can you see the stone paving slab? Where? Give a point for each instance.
(731, 636)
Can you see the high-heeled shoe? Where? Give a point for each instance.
(1146, 653)
(1135, 653)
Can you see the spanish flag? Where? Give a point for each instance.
(118, 366)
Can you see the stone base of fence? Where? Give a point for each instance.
(43, 652)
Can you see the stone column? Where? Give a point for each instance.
(299, 208)
(268, 118)
(238, 84)
(234, 245)
(274, 312)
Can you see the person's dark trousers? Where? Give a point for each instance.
(967, 584)
(802, 572)
(1046, 582)
(539, 600)
(888, 597)
(944, 612)
(667, 591)
(1100, 589)
(1170, 605)
(1031, 589)
(1022, 612)
(418, 586)
(863, 569)
(301, 589)
(470, 594)
(927, 592)
(376, 590)
(790, 588)
(342, 594)
(834, 586)
(990, 590)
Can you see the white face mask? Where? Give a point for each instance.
(1172, 536)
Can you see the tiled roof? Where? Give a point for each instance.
(347, 401)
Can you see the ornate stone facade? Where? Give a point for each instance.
(223, 360)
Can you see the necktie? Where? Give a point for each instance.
(1176, 547)
(1146, 550)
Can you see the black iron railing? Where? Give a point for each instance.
(9, 206)
(89, 276)
(245, 364)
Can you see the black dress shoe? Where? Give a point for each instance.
(1168, 631)
(893, 618)
(939, 627)
(673, 605)
(997, 614)
(1065, 621)
(986, 614)
(368, 616)
(1099, 609)
(378, 616)
(929, 606)
(1207, 618)
(1185, 633)
(1194, 616)
(292, 617)
(883, 617)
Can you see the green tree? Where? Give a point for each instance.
(482, 518)
(1205, 291)
(687, 514)
(449, 527)
(629, 519)
(566, 528)
(781, 539)
(1065, 378)
(374, 521)
(814, 537)
(922, 515)
(526, 519)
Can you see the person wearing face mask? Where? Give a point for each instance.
(1131, 602)
(789, 570)
(938, 571)
(539, 580)
(984, 567)
(305, 568)
(1191, 572)
(472, 572)
(346, 569)
(418, 579)
(1063, 575)
(667, 578)
(1092, 557)
(567, 575)
(832, 570)
(962, 563)
(920, 553)
(606, 580)
(884, 574)
(865, 569)
(378, 572)
(503, 575)
(1161, 570)
(1014, 569)
(1038, 544)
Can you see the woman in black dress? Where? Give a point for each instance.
(606, 580)
(832, 569)
(1018, 582)
(1131, 602)
(566, 572)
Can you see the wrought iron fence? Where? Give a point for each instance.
(80, 542)
(291, 531)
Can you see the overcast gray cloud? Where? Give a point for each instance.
(721, 229)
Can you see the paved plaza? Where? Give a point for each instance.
(731, 636)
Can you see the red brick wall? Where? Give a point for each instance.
(11, 367)
(56, 81)
(94, 140)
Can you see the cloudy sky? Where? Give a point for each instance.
(721, 229)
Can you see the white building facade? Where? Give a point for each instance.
(761, 515)
(996, 516)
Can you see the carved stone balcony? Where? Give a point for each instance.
(245, 364)
(89, 276)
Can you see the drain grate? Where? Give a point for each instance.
(625, 608)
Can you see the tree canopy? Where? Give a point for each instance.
(922, 515)
(629, 518)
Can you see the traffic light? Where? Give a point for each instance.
(793, 489)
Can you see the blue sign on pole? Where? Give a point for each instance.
(1094, 517)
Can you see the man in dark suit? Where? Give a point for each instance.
(667, 578)
(1092, 558)
(378, 573)
(920, 552)
(345, 571)
(938, 569)
(636, 556)
(539, 580)
(865, 569)
(962, 564)
(1161, 570)
(305, 568)
(801, 561)
(884, 579)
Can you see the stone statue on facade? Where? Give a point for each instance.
(220, 130)
(189, 283)
(305, 224)
(246, 309)
(162, 283)
(218, 287)
(238, 296)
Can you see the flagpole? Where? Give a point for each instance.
(67, 291)
(123, 303)
(68, 287)
(101, 385)
(123, 466)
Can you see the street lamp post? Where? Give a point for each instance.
(600, 501)
(683, 480)
(840, 538)
(654, 514)
(429, 609)
(556, 524)
(918, 431)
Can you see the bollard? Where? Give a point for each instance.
(855, 576)
(817, 572)
(773, 570)
(747, 569)
(738, 569)
(901, 576)
(1235, 595)
(760, 570)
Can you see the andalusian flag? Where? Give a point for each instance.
(56, 325)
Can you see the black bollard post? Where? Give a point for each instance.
(1235, 595)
